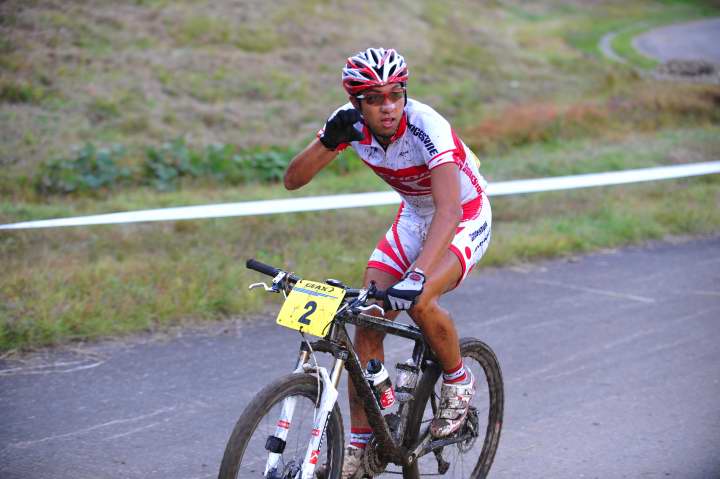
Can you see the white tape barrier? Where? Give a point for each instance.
(316, 203)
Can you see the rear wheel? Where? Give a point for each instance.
(246, 454)
(472, 458)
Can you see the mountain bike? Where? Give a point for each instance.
(293, 428)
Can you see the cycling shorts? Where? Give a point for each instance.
(403, 242)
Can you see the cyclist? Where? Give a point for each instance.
(441, 230)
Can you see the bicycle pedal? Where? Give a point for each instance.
(443, 465)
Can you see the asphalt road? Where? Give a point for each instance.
(686, 41)
(611, 365)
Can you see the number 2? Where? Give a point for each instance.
(311, 306)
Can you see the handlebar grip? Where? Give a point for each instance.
(262, 267)
(382, 296)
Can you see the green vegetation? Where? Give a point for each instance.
(11, 92)
(187, 103)
(96, 170)
(622, 45)
(91, 169)
(207, 30)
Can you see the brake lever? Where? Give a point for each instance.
(375, 307)
(277, 283)
(363, 297)
(264, 286)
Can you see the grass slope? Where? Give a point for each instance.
(522, 82)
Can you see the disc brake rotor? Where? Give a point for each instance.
(472, 425)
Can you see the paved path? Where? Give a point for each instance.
(610, 362)
(698, 40)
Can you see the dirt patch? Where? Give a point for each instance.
(689, 70)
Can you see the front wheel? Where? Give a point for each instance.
(472, 458)
(249, 446)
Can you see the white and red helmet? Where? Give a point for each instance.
(373, 67)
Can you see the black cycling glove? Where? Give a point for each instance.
(339, 129)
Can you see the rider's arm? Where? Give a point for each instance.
(339, 130)
(448, 213)
(307, 164)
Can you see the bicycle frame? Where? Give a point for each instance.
(391, 445)
(337, 342)
(400, 437)
(339, 345)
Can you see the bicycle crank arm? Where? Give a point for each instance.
(443, 465)
(440, 443)
(429, 445)
(421, 448)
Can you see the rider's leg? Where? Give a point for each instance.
(439, 330)
(434, 321)
(368, 345)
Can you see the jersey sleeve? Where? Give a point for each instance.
(438, 139)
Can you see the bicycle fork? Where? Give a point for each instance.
(323, 410)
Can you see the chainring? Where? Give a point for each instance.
(373, 464)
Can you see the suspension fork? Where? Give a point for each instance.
(322, 414)
(275, 449)
(323, 410)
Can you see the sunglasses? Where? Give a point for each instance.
(377, 99)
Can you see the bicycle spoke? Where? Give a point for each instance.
(469, 452)
(249, 448)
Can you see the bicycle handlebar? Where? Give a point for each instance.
(266, 269)
(261, 267)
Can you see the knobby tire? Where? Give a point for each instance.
(492, 380)
(301, 384)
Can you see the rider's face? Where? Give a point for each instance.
(382, 108)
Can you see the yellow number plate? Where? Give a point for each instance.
(310, 307)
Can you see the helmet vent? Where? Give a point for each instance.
(373, 67)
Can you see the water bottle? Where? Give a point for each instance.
(406, 380)
(379, 380)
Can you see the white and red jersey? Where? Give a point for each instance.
(423, 141)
